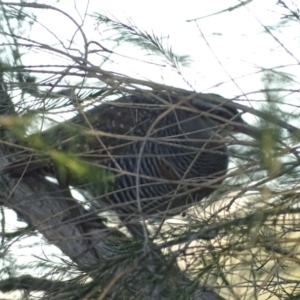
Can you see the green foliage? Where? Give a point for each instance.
(144, 40)
(254, 215)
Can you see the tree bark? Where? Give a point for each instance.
(96, 249)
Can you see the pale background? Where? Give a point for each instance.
(231, 65)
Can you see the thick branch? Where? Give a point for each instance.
(43, 205)
(115, 262)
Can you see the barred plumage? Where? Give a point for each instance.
(163, 150)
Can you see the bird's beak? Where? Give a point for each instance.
(238, 125)
(247, 129)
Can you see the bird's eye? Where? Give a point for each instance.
(222, 114)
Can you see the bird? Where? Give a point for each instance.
(165, 151)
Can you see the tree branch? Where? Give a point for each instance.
(115, 262)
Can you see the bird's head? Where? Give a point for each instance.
(221, 116)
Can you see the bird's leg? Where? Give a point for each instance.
(133, 225)
(159, 227)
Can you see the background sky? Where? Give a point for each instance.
(228, 61)
(229, 53)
